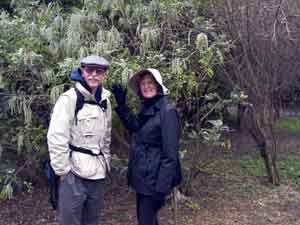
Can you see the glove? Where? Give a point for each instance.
(158, 196)
(120, 94)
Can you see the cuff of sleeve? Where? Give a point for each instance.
(121, 108)
(63, 172)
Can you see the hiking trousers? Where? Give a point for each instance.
(80, 200)
(147, 209)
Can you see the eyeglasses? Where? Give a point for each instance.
(91, 69)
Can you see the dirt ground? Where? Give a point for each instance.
(217, 197)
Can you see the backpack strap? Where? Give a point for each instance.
(80, 102)
(84, 150)
(89, 152)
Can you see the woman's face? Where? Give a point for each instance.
(148, 86)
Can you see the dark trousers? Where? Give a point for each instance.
(147, 209)
(80, 200)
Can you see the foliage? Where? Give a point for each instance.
(192, 205)
(6, 184)
(44, 41)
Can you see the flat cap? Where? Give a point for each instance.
(95, 60)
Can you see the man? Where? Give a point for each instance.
(79, 138)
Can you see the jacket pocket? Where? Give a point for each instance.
(85, 165)
(153, 164)
(88, 123)
(140, 164)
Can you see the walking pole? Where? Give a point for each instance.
(175, 205)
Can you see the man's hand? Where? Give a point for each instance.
(61, 178)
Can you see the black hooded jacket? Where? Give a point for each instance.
(154, 165)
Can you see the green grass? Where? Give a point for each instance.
(288, 166)
(253, 166)
(291, 123)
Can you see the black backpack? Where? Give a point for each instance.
(53, 183)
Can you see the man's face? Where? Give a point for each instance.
(93, 75)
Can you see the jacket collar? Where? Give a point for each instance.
(150, 110)
(89, 96)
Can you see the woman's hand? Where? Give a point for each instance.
(120, 94)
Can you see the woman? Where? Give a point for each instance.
(154, 167)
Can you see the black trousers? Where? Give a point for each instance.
(147, 209)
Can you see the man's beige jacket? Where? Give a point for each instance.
(92, 131)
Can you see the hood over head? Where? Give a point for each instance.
(133, 82)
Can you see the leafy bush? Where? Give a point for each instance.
(42, 43)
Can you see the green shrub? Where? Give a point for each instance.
(42, 43)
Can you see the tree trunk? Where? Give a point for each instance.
(270, 162)
(240, 114)
(262, 131)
